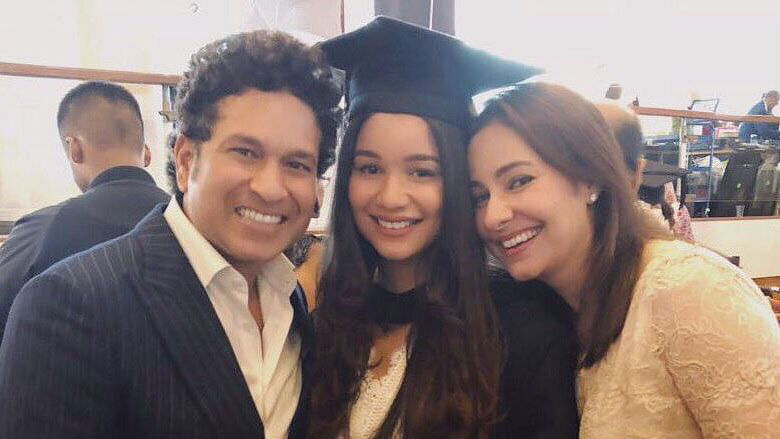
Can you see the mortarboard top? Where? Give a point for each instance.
(395, 67)
(656, 174)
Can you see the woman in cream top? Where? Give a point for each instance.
(697, 357)
(674, 341)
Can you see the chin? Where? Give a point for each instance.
(522, 274)
(396, 254)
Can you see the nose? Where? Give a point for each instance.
(268, 183)
(497, 214)
(392, 193)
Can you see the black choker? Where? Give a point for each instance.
(388, 308)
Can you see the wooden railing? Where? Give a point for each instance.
(38, 71)
(689, 114)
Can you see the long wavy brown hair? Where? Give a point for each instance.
(451, 384)
(570, 134)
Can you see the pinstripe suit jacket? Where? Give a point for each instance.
(121, 341)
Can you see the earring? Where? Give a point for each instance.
(593, 197)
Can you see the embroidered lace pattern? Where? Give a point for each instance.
(376, 396)
(699, 356)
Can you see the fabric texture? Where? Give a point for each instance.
(762, 130)
(268, 359)
(537, 384)
(121, 341)
(112, 205)
(699, 355)
(376, 397)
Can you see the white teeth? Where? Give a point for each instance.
(521, 238)
(259, 217)
(394, 224)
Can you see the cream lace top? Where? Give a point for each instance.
(376, 396)
(699, 356)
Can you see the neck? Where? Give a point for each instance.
(103, 164)
(399, 276)
(249, 272)
(569, 280)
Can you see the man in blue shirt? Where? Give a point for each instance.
(762, 108)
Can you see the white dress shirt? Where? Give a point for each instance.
(269, 361)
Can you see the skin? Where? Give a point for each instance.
(527, 205)
(771, 102)
(261, 159)
(90, 144)
(396, 194)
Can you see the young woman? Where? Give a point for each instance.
(408, 340)
(674, 340)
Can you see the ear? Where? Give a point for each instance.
(147, 155)
(75, 149)
(592, 193)
(184, 155)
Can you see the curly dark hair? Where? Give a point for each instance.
(265, 61)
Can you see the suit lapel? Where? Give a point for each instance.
(303, 324)
(192, 332)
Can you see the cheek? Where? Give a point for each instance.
(359, 192)
(479, 219)
(304, 193)
(434, 201)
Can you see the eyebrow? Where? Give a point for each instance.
(301, 154)
(411, 158)
(298, 153)
(422, 158)
(509, 166)
(243, 139)
(366, 153)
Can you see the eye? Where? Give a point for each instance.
(519, 182)
(367, 169)
(423, 173)
(480, 199)
(299, 166)
(244, 152)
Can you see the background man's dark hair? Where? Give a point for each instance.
(261, 60)
(79, 95)
(627, 130)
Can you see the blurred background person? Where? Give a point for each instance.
(763, 108)
(102, 134)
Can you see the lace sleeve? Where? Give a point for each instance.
(721, 345)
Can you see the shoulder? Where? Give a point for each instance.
(681, 262)
(37, 221)
(758, 108)
(101, 266)
(27, 235)
(682, 281)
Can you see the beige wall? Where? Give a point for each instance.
(755, 241)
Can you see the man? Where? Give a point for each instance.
(102, 133)
(648, 178)
(191, 325)
(628, 132)
(763, 108)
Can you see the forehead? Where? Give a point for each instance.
(497, 144)
(274, 118)
(396, 135)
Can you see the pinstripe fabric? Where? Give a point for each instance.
(121, 341)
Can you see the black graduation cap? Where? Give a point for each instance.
(395, 67)
(656, 174)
